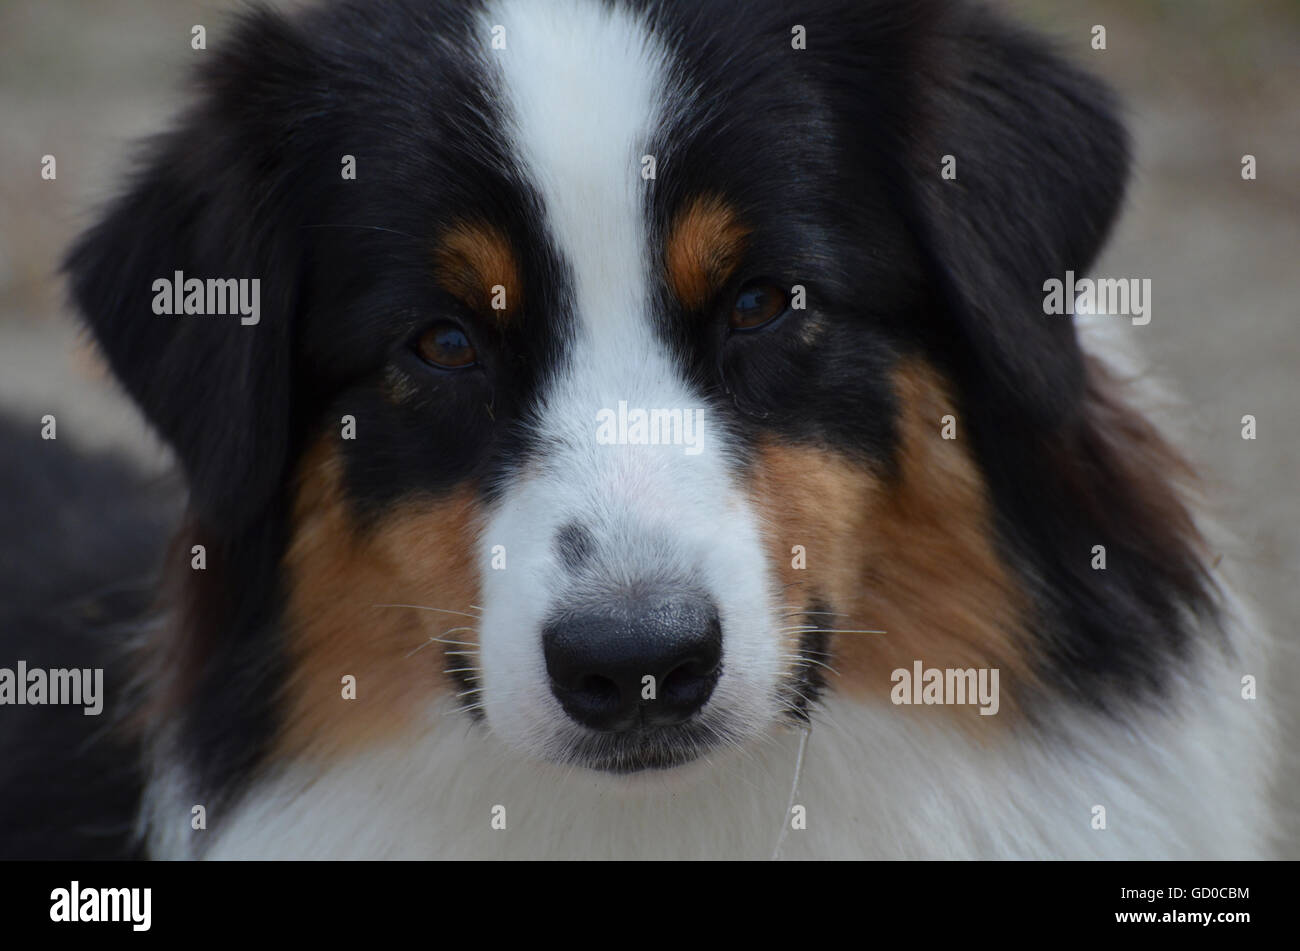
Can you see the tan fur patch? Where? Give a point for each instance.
(704, 247)
(418, 554)
(912, 554)
(475, 262)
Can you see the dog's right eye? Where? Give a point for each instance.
(757, 304)
(446, 346)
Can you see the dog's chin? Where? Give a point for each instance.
(644, 755)
(641, 752)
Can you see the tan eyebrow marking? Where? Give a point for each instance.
(475, 262)
(704, 248)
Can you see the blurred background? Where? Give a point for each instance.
(1205, 82)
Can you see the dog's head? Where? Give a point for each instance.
(618, 341)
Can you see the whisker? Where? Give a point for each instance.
(822, 664)
(440, 640)
(422, 607)
(806, 659)
(794, 791)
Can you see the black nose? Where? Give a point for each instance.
(599, 661)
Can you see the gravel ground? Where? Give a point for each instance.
(1206, 81)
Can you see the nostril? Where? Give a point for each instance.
(599, 691)
(684, 685)
(596, 701)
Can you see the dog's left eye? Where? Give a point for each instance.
(757, 304)
(445, 345)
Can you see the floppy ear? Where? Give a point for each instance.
(210, 203)
(1041, 162)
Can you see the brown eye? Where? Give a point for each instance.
(445, 345)
(757, 304)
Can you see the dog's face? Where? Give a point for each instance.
(603, 240)
(617, 339)
(646, 259)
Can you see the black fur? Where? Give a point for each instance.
(84, 541)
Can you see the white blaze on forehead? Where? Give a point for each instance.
(584, 83)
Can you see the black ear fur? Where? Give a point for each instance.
(210, 202)
(1041, 167)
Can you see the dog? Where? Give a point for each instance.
(631, 429)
